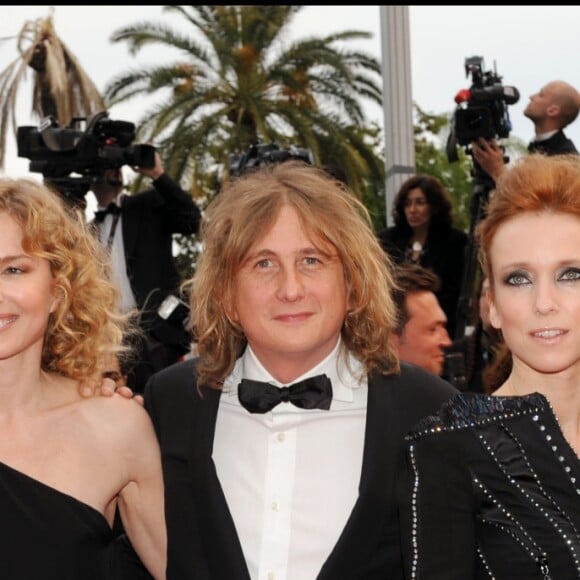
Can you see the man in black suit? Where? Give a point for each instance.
(551, 110)
(283, 441)
(138, 229)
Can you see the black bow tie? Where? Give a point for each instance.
(112, 208)
(312, 393)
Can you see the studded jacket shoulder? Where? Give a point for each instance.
(495, 492)
(471, 409)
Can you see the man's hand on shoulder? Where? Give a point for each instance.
(107, 388)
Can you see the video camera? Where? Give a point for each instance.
(259, 155)
(87, 147)
(482, 110)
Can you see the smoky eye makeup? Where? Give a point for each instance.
(570, 274)
(516, 278)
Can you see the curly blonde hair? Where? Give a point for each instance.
(86, 327)
(241, 214)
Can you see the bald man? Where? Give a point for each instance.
(552, 109)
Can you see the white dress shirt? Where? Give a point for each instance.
(291, 476)
(117, 254)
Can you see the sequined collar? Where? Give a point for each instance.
(465, 409)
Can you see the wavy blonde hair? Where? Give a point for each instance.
(241, 214)
(86, 327)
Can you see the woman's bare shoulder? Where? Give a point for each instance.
(116, 415)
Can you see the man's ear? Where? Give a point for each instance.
(396, 338)
(114, 177)
(553, 110)
(230, 310)
(232, 315)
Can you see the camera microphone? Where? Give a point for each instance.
(463, 96)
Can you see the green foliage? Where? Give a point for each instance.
(189, 250)
(236, 80)
(431, 158)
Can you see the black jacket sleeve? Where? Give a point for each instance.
(177, 208)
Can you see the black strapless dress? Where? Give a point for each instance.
(49, 535)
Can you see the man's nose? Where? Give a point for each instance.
(290, 283)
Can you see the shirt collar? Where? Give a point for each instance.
(345, 372)
(543, 136)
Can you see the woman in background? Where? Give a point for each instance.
(66, 462)
(496, 478)
(423, 234)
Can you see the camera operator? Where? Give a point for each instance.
(138, 230)
(551, 110)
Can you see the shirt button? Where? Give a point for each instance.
(271, 575)
(281, 437)
(274, 506)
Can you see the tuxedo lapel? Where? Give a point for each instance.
(221, 543)
(131, 225)
(375, 509)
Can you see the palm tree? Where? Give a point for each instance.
(237, 82)
(61, 88)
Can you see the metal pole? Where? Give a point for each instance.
(397, 100)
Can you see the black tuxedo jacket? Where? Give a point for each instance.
(203, 543)
(557, 144)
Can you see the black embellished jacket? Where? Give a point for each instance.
(495, 492)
